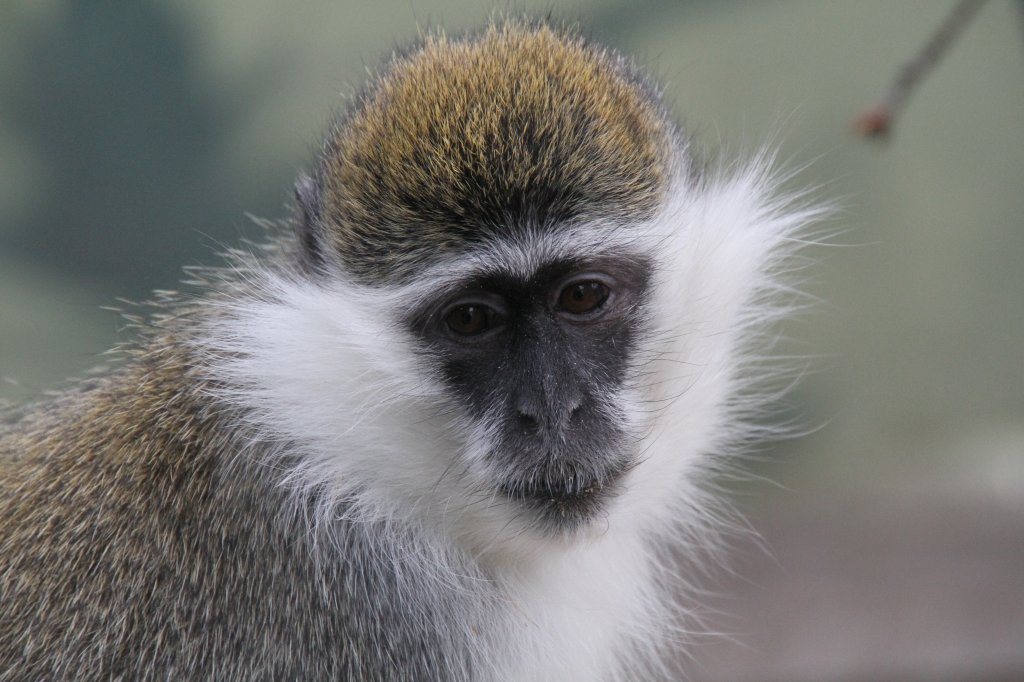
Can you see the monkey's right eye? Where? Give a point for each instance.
(471, 319)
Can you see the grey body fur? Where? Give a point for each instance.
(139, 555)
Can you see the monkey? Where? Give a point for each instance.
(455, 421)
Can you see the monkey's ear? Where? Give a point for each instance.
(308, 224)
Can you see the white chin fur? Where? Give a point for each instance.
(331, 391)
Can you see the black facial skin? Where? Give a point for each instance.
(538, 357)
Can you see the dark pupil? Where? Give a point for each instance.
(583, 297)
(468, 319)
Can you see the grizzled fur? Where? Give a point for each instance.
(523, 125)
(134, 545)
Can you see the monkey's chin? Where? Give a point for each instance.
(563, 505)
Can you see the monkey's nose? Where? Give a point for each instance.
(554, 417)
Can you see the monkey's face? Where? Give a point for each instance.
(517, 303)
(537, 360)
(498, 183)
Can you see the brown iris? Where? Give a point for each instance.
(580, 298)
(469, 319)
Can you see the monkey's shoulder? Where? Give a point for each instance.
(139, 538)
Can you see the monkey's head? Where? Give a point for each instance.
(512, 281)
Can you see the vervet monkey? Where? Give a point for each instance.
(450, 427)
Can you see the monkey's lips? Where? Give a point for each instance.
(558, 490)
(562, 498)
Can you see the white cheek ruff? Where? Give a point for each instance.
(333, 391)
(704, 369)
(348, 411)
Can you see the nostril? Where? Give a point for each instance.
(575, 407)
(528, 411)
(527, 420)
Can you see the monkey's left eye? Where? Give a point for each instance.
(583, 297)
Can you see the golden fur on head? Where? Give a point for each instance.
(520, 126)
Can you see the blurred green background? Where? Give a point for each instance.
(135, 137)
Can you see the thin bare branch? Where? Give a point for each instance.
(877, 121)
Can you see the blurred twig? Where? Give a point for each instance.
(877, 121)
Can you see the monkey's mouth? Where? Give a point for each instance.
(568, 497)
(557, 490)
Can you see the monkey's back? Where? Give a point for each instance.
(138, 541)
